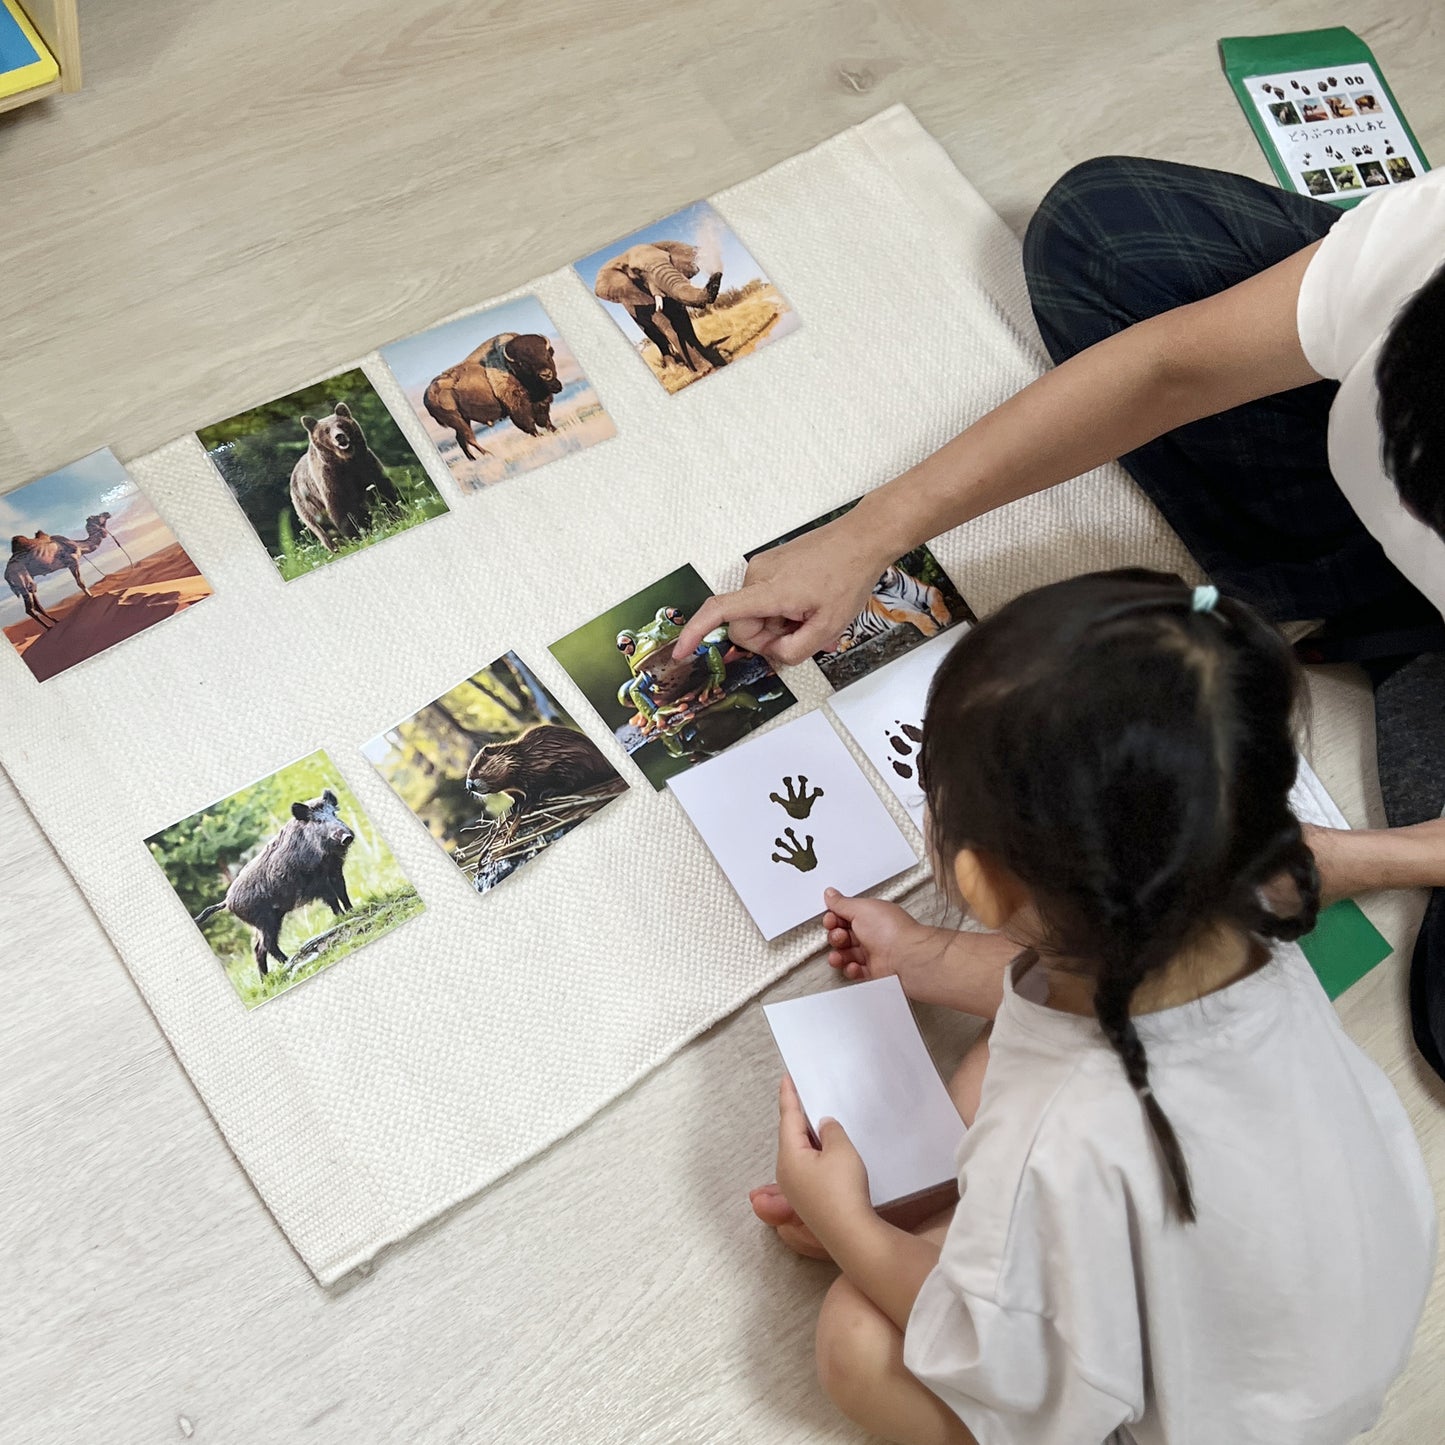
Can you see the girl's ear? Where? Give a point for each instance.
(992, 893)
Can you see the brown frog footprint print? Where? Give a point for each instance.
(800, 855)
(798, 802)
(905, 739)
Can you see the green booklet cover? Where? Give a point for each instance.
(1343, 947)
(1328, 122)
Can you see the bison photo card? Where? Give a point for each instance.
(322, 473)
(285, 877)
(495, 770)
(669, 712)
(688, 295)
(914, 599)
(499, 392)
(91, 563)
(789, 814)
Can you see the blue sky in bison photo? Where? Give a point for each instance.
(749, 313)
(501, 448)
(134, 571)
(284, 877)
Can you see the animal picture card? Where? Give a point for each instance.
(322, 473)
(688, 295)
(855, 1055)
(91, 563)
(884, 716)
(789, 814)
(1327, 121)
(669, 713)
(912, 601)
(499, 392)
(284, 877)
(495, 770)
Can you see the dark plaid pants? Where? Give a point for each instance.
(1249, 491)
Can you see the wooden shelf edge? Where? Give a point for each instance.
(24, 97)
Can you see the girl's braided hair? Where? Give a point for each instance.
(1129, 759)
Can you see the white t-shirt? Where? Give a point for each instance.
(1374, 259)
(1068, 1302)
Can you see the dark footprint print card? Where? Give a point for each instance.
(789, 813)
(884, 714)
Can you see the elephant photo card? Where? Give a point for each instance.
(499, 392)
(884, 715)
(688, 295)
(322, 473)
(284, 877)
(91, 563)
(789, 814)
(495, 770)
(912, 601)
(669, 713)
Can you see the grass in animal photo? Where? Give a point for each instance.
(688, 294)
(495, 770)
(913, 600)
(91, 564)
(322, 473)
(499, 392)
(285, 877)
(669, 713)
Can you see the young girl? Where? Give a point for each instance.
(1191, 1209)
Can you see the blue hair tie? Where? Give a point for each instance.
(1205, 599)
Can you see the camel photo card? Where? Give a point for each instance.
(789, 814)
(284, 877)
(322, 473)
(688, 295)
(884, 715)
(912, 601)
(91, 563)
(495, 770)
(669, 713)
(499, 392)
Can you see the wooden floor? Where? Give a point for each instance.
(244, 195)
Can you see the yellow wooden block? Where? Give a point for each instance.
(17, 42)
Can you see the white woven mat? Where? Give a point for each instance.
(423, 1067)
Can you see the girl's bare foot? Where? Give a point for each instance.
(772, 1207)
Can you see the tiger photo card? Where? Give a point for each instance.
(912, 601)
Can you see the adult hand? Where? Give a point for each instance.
(827, 1187)
(797, 599)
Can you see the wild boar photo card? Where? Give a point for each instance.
(495, 770)
(284, 877)
(669, 713)
(688, 295)
(322, 473)
(499, 392)
(789, 814)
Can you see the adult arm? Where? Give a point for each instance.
(1191, 362)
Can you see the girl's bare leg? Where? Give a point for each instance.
(1367, 860)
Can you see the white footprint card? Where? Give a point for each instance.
(789, 814)
(884, 713)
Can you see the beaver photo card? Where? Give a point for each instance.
(499, 392)
(789, 814)
(322, 473)
(669, 713)
(884, 715)
(284, 877)
(91, 563)
(913, 601)
(688, 295)
(495, 770)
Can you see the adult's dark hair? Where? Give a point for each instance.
(1410, 375)
(1129, 760)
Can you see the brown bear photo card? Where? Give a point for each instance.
(285, 877)
(322, 473)
(495, 770)
(91, 563)
(913, 600)
(688, 295)
(499, 392)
